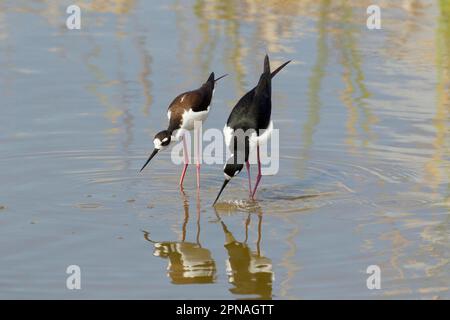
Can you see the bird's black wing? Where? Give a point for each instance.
(239, 117)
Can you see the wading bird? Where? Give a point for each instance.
(184, 110)
(251, 114)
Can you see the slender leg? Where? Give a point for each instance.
(247, 165)
(198, 159)
(258, 177)
(198, 175)
(186, 161)
(198, 217)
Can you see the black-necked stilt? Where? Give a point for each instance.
(251, 113)
(183, 112)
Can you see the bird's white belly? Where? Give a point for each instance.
(263, 137)
(189, 118)
(254, 139)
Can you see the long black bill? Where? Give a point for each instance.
(155, 151)
(221, 189)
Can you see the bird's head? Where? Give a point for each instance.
(231, 169)
(161, 141)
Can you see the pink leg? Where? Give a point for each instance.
(198, 159)
(186, 161)
(247, 165)
(258, 178)
(198, 175)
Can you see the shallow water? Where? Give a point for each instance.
(364, 175)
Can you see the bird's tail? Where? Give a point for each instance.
(211, 77)
(266, 65)
(221, 77)
(264, 84)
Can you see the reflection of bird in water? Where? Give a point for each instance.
(189, 262)
(248, 271)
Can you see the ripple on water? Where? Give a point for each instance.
(89, 206)
(231, 206)
(285, 198)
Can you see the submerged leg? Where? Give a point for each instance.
(247, 165)
(258, 177)
(186, 161)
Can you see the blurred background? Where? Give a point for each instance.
(364, 143)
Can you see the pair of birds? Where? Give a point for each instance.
(251, 113)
